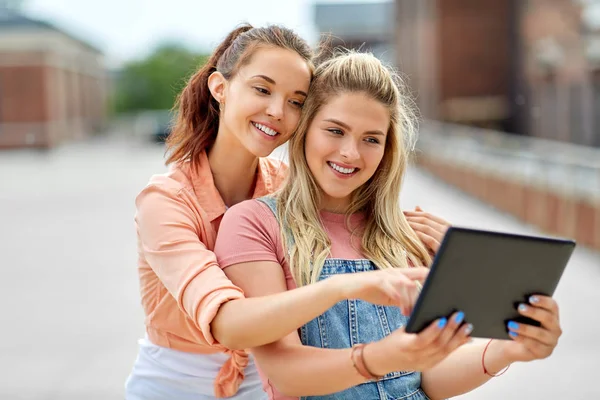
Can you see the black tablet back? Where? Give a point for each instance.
(486, 275)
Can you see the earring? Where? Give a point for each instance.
(222, 106)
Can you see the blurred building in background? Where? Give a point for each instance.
(364, 26)
(53, 86)
(529, 67)
(480, 69)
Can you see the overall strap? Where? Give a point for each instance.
(271, 202)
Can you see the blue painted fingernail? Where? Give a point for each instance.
(469, 329)
(513, 334)
(522, 307)
(512, 325)
(442, 322)
(459, 317)
(534, 299)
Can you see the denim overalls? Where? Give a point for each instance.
(350, 322)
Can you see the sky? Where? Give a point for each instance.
(129, 29)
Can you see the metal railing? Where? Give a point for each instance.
(562, 167)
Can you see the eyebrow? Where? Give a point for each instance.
(272, 82)
(346, 126)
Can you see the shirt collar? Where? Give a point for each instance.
(209, 197)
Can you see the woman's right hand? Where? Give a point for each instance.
(403, 351)
(389, 287)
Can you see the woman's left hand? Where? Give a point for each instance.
(531, 342)
(429, 228)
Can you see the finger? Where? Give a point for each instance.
(451, 329)
(427, 216)
(429, 241)
(542, 335)
(536, 348)
(417, 208)
(430, 334)
(399, 278)
(413, 294)
(426, 221)
(548, 319)
(545, 302)
(415, 273)
(430, 229)
(397, 293)
(401, 287)
(436, 231)
(462, 336)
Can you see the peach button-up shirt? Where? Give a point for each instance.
(182, 286)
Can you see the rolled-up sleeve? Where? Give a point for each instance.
(168, 230)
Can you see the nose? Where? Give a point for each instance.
(349, 150)
(275, 109)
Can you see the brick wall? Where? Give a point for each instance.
(474, 49)
(23, 112)
(457, 57)
(52, 89)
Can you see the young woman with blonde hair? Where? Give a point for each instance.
(338, 214)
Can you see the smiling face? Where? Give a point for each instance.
(344, 146)
(263, 101)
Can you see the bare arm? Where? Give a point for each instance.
(462, 372)
(298, 370)
(251, 322)
(271, 312)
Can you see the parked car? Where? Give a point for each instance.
(162, 128)
(154, 125)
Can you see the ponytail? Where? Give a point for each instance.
(198, 111)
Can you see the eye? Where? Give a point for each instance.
(372, 140)
(297, 104)
(335, 131)
(261, 90)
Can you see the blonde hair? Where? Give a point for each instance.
(388, 240)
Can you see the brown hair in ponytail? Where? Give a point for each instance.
(198, 112)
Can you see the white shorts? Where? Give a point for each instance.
(161, 373)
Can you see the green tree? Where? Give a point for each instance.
(154, 82)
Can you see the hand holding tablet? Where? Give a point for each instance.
(488, 275)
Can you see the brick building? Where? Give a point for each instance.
(53, 86)
(522, 66)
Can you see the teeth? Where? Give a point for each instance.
(342, 170)
(265, 129)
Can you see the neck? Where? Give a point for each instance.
(233, 168)
(335, 206)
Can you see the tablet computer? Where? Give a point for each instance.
(486, 275)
